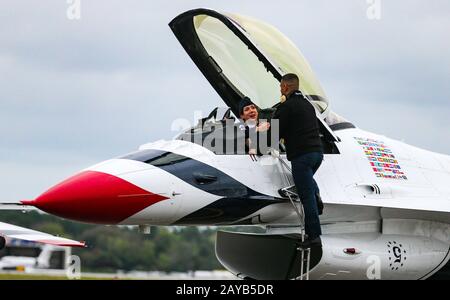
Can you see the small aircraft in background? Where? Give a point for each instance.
(27, 256)
(387, 204)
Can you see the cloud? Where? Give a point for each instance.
(77, 92)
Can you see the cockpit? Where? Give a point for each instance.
(224, 134)
(241, 56)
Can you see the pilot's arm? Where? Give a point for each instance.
(251, 138)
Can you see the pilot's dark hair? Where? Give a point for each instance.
(291, 78)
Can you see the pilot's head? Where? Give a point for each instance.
(289, 84)
(248, 110)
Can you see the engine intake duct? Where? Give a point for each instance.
(262, 256)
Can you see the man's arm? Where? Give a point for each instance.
(282, 114)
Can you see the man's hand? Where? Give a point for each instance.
(263, 127)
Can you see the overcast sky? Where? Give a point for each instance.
(76, 92)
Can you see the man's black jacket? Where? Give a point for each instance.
(298, 126)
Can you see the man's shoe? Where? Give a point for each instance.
(317, 242)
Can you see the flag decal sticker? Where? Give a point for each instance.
(381, 159)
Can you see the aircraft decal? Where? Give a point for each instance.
(238, 200)
(95, 197)
(196, 173)
(381, 159)
(227, 210)
(397, 255)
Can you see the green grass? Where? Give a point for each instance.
(42, 277)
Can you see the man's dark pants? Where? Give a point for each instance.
(303, 169)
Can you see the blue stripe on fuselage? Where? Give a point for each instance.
(239, 200)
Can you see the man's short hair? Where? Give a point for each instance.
(291, 79)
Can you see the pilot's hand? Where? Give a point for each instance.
(263, 127)
(283, 98)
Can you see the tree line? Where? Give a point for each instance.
(112, 248)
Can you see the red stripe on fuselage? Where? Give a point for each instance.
(95, 197)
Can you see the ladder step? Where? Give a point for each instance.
(289, 192)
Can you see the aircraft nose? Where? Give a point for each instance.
(95, 197)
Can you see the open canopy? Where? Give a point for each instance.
(241, 56)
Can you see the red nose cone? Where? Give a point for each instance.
(95, 197)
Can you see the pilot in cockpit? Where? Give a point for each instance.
(249, 114)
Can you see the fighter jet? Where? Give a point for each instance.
(387, 204)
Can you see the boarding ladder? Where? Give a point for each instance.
(291, 192)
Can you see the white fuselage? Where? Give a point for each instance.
(349, 186)
(388, 201)
(403, 198)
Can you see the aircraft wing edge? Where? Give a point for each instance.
(21, 233)
(414, 204)
(15, 206)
